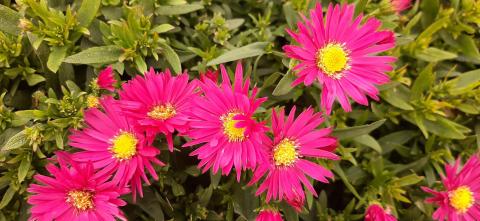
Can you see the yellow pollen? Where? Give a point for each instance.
(124, 146)
(333, 60)
(233, 133)
(461, 199)
(92, 101)
(285, 153)
(162, 112)
(82, 200)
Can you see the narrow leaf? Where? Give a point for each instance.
(9, 20)
(178, 9)
(87, 12)
(96, 55)
(55, 58)
(351, 132)
(172, 58)
(246, 51)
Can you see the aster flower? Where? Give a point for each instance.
(341, 54)
(400, 5)
(269, 215)
(74, 192)
(114, 145)
(286, 166)
(222, 121)
(460, 199)
(157, 103)
(209, 74)
(375, 212)
(105, 79)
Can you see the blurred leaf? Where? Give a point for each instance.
(56, 57)
(7, 197)
(162, 28)
(351, 132)
(16, 141)
(9, 20)
(284, 85)
(251, 50)
(178, 9)
(96, 55)
(425, 80)
(368, 141)
(435, 55)
(172, 58)
(87, 12)
(24, 168)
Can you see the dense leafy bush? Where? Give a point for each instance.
(51, 52)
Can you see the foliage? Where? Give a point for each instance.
(51, 50)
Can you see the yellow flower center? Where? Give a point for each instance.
(285, 153)
(82, 200)
(162, 112)
(333, 59)
(92, 101)
(233, 133)
(124, 146)
(461, 199)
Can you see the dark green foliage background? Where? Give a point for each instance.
(428, 115)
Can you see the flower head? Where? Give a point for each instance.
(157, 102)
(460, 199)
(341, 54)
(269, 215)
(222, 121)
(105, 79)
(74, 192)
(115, 146)
(286, 167)
(400, 5)
(375, 212)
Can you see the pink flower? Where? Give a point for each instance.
(269, 215)
(375, 212)
(400, 5)
(286, 166)
(158, 102)
(460, 199)
(105, 79)
(74, 192)
(222, 121)
(115, 146)
(341, 54)
(209, 74)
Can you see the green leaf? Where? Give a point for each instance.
(33, 79)
(96, 55)
(23, 168)
(408, 180)
(7, 197)
(369, 141)
(290, 15)
(16, 141)
(425, 80)
(172, 58)
(468, 46)
(467, 79)
(394, 97)
(251, 50)
(9, 20)
(56, 57)
(140, 63)
(435, 55)
(178, 9)
(87, 12)
(339, 171)
(284, 85)
(162, 28)
(351, 132)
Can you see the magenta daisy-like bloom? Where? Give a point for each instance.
(115, 146)
(105, 79)
(222, 120)
(74, 193)
(340, 53)
(375, 212)
(400, 5)
(269, 215)
(158, 102)
(286, 166)
(460, 199)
